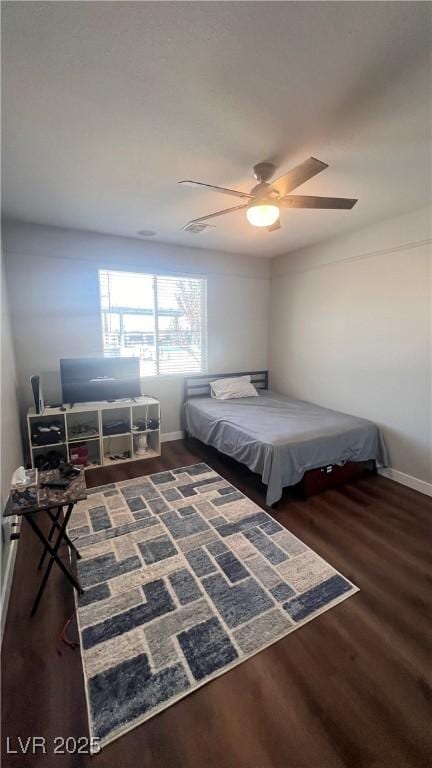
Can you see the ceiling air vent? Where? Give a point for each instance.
(196, 228)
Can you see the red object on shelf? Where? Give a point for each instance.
(79, 455)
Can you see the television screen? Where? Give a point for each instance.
(88, 379)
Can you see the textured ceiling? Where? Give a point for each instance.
(107, 105)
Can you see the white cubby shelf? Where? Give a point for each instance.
(87, 424)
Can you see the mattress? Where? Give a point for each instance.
(281, 438)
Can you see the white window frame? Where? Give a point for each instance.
(154, 276)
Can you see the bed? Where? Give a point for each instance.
(278, 437)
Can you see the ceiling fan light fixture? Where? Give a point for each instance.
(262, 214)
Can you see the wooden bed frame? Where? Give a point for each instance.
(314, 481)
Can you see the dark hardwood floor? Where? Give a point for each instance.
(351, 688)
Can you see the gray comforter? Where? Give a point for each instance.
(280, 438)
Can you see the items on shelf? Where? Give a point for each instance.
(140, 444)
(50, 460)
(46, 433)
(142, 424)
(118, 427)
(79, 455)
(120, 456)
(96, 434)
(82, 430)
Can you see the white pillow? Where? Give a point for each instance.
(228, 389)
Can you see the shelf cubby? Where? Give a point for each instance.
(142, 414)
(92, 446)
(153, 444)
(117, 445)
(47, 452)
(45, 421)
(122, 414)
(82, 426)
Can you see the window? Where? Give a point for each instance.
(161, 320)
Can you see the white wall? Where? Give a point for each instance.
(351, 330)
(10, 450)
(54, 296)
(350, 319)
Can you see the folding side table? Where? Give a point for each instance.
(58, 505)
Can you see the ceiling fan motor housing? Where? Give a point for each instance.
(263, 171)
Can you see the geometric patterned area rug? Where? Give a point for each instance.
(184, 578)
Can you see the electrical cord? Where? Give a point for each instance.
(62, 636)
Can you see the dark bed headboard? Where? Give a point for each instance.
(199, 385)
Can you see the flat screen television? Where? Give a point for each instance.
(88, 379)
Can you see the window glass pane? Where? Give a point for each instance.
(111, 322)
(169, 339)
(180, 303)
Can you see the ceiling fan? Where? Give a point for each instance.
(264, 201)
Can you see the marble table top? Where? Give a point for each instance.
(39, 497)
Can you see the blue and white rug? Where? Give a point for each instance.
(184, 579)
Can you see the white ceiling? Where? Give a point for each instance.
(106, 105)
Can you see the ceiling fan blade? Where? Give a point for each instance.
(275, 226)
(218, 213)
(309, 201)
(223, 190)
(297, 176)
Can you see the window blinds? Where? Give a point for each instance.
(160, 319)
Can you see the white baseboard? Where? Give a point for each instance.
(168, 436)
(7, 585)
(412, 482)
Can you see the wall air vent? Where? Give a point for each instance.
(196, 227)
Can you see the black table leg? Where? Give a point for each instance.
(50, 535)
(53, 551)
(56, 524)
